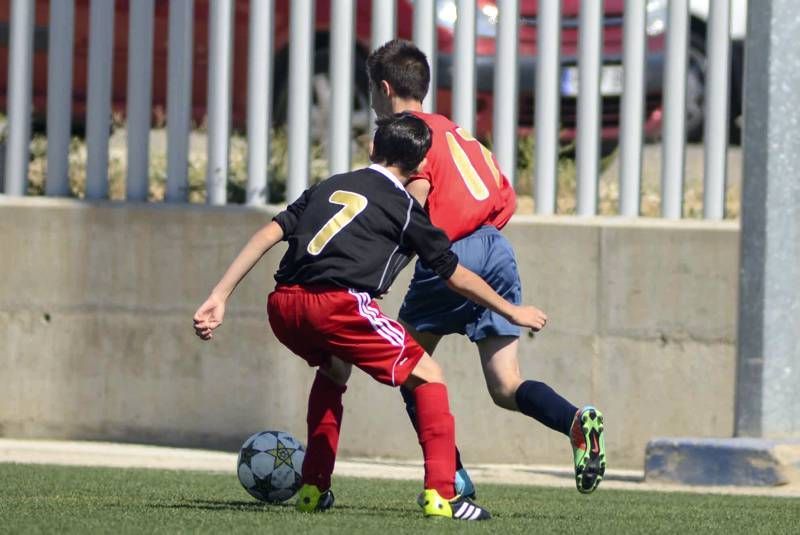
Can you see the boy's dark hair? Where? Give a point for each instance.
(403, 65)
(401, 140)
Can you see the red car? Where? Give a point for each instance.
(485, 46)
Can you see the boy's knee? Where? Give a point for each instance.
(503, 394)
(337, 371)
(427, 370)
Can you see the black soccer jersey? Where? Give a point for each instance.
(358, 230)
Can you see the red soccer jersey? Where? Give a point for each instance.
(468, 190)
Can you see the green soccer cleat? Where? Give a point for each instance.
(311, 500)
(588, 449)
(458, 508)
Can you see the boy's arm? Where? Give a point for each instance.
(475, 289)
(433, 248)
(420, 184)
(261, 242)
(419, 189)
(209, 316)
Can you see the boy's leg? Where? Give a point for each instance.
(324, 419)
(536, 399)
(437, 437)
(367, 338)
(429, 341)
(436, 432)
(435, 426)
(500, 361)
(461, 479)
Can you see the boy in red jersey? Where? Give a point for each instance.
(465, 194)
(348, 238)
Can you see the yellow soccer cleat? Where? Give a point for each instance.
(458, 508)
(311, 500)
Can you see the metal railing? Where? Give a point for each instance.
(385, 18)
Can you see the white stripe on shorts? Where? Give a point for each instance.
(389, 324)
(379, 323)
(390, 330)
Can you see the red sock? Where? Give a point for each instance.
(324, 422)
(437, 436)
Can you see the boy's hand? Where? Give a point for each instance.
(531, 317)
(208, 317)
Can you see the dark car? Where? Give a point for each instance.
(445, 14)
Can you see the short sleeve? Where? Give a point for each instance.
(288, 218)
(424, 172)
(430, 243)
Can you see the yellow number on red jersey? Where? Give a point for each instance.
(465, 167)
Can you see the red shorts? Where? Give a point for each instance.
(319, 322)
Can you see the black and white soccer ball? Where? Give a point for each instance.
(270, 466)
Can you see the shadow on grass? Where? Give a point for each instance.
(230, 505)
(567, 474)
(238, 505)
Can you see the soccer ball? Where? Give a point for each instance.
(269, 466)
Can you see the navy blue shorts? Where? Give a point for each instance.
(430, 306)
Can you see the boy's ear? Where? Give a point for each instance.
(421, 165)
(371, 151)
(386, 88)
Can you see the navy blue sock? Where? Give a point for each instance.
(544, 405)
(411, 410)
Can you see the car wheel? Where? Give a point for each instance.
(737, 73)
(608, 147)
(321, 98)
(695, 88)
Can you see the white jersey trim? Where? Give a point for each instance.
(402, 233)
(388, 174)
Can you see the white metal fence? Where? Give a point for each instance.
(303, 37)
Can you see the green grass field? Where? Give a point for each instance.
(48, 499)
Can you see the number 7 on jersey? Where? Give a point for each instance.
(352, 204)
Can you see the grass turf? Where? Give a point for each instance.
(36, 498)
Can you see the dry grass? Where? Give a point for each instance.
(608, 187)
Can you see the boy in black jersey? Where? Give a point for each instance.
(348, 238)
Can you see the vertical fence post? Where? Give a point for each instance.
(632, 109)
(259, 99)
(425, 39)
(384, 22)
(715, 136)
(587, 154)
(219, 99)
(179, 97)
(341, 69)
(59, 95)
(768, 359)
(547, 105)
(464, 66)
(506, 88)
(98, 99)
(384, 28)
(19, 97)
(301, 61)
(140, 70)
(674, 129)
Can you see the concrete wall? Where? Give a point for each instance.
(96, 302)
